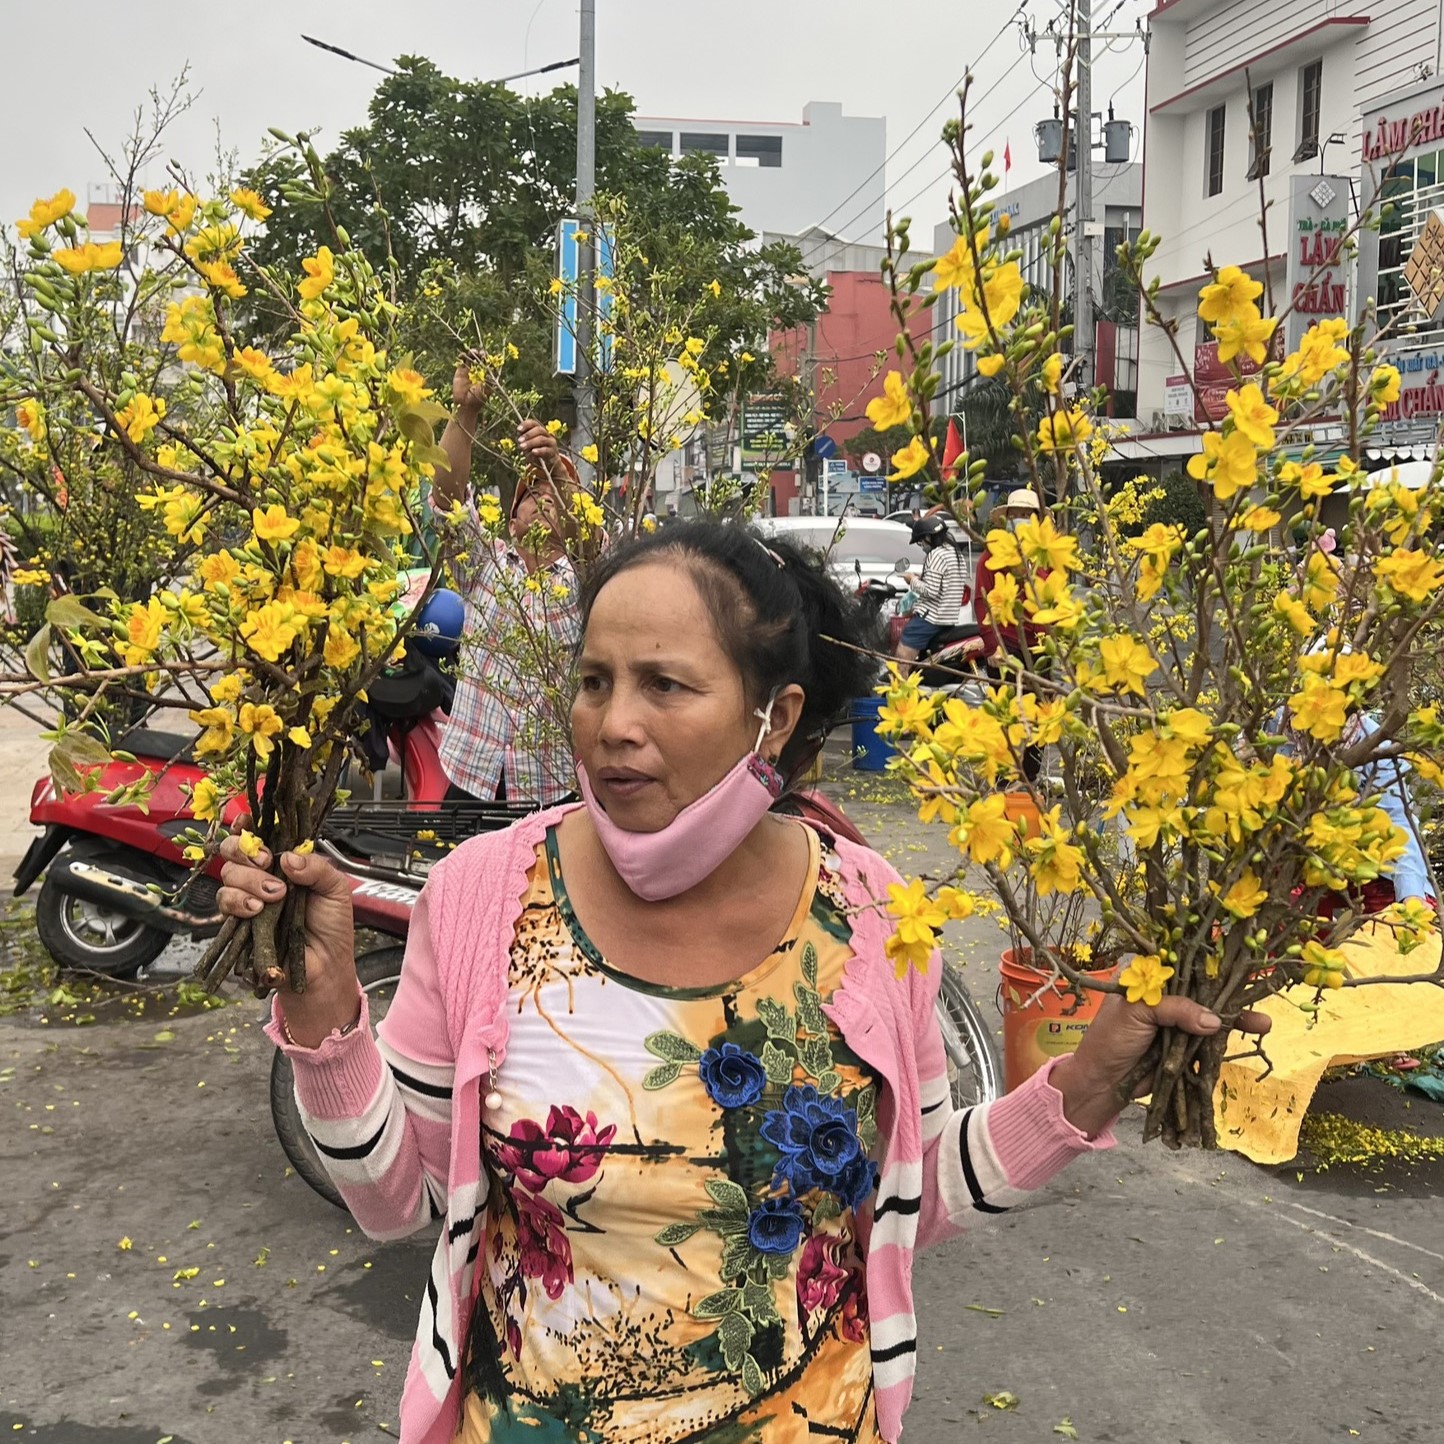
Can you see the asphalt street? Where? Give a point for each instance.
(164, 1278)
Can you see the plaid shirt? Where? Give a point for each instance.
(501, 726)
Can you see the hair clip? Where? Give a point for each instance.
(781, 565)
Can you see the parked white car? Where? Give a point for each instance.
(860, 549)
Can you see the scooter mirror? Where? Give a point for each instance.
(901, 565)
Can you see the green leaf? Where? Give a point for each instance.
(1066, 1429)
(865, 1103)
(734, 1333)
(809, 1010)
(415, 427)
(816, 1055)
(728, 1195)
(421, 451)
(809, 965)
(829, 1081)
(70, 611)
(676, 1233)
(736, 1256)
(714, 1306)
(1004, 1399)
(776, 1019)
(983, 1309)
(672, 1046)
(37, 654)
(752, 1380)
(778, 1064)
(825, 1209)
(779, 1265)
(758, 1302)
(662, 1075)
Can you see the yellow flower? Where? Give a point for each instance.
(218, 569)
(407, 386)
(125, 1245)
(219, 724)
(1144, 978)
(1003, 599)
(1063, 430)
(91, 256)
(958, 904)
(320, 271)
(159, 203)
(1229, 462)
(1003, 552)
(340, 561)
(1002, 294)
(919, 916)
(30, 417)
(254, 364)
(1320, 709)
(250, 204)
(30, 577)
(44, 214)
(1055, 864)
(221, 276)
(250, 844)
(298, 737)
(1127, 663)
(955, 267)
(1045, 547)
(144, 626)
(1246, 896)
(1051, 374)
(182, 211)
(260, 723)
(1310, 481)
(1260, 519)
(1249, 334)
(556, 287)
(1295, 613)
(1323, 967)
(1412, 574)
(715, 287)
(893, 407)
(1384, 385)
(341, 650)
(270, 630)
(141, 416)
(589, 454)
(906, 710)
(990, 365)
(273, 524)
(1230, 297)
(910, 460)
(1253, 416)
(987, 832)
(1319, 353)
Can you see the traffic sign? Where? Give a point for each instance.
(872, 485)
(872, 463)
(564, 350)
(823, 446)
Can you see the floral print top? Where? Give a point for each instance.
(671, 1251)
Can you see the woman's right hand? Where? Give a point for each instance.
(466, 394)
(330, 999)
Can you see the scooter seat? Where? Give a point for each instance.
(164, 746)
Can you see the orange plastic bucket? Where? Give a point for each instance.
(1020, 809)
(1038, 1025)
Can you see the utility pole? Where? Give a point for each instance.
(586, 220)
(1083, 337)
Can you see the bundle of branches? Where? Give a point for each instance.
(283, 485)
(1244, 731)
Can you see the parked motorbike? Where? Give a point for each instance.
(953, 662)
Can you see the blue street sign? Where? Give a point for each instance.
(568, 268)
(823, 446)
(872, 485)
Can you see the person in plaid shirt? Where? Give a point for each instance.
(506, 739)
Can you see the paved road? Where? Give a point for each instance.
(1148, 1298)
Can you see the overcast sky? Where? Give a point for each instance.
(89, 64)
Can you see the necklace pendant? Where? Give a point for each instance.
(492, 1101)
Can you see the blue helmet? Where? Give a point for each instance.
(439, 624)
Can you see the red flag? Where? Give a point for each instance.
(952, 446)
(1007, 157)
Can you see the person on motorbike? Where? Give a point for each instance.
(941, 587)
(652, 1047)
(521, 595)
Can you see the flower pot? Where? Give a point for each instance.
(1020, 809)
(1041, 1020)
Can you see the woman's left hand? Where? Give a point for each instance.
(1115, 1043)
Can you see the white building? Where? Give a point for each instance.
(828, 171)
(1316, 69)
(1030, 209)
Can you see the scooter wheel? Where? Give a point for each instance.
(86, 937)
(378, 971)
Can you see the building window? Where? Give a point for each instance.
(660, 139)
(1261, 126)
(1311, 98)
(764, 150)
(1215, 149)
(697, 142)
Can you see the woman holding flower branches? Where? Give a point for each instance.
(504, 741)
(683, 1101)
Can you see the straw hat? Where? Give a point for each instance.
(1024, 499)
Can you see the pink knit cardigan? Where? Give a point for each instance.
(397, 1117)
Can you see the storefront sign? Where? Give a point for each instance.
(1388, 136)
(1317, 273)
(1177, 396)
(765, 424)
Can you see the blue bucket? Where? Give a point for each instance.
(870, 750)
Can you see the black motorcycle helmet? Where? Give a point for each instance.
(929, 531)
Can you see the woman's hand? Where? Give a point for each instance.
(1114, 1045)
(467, 395)
(330, 999)
(539, 447)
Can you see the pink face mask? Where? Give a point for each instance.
(658, 865)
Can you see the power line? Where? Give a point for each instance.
(937, 105)
(836, 242)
